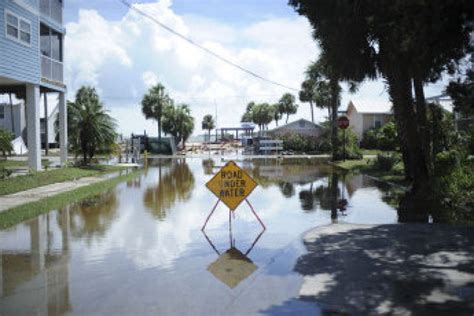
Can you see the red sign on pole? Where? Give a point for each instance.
(342, 122)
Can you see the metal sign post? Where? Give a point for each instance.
(343, 123)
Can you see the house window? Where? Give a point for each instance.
(377, 121)
(2, 112)
(17, 28)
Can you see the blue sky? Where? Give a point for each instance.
(239, 12)
(122, 54)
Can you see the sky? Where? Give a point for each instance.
(123, 54)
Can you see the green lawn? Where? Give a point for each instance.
(365, 166)
(27, 211)
(375, 152)
(18, 163)
(37, 179)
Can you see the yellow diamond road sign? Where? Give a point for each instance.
(231, 185)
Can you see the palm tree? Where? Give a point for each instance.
(154, 103)
(306, 94)
(178, 122)
(262, 115)
(247, 117)
(208, 124)
(91, 129)
(287, 105)
(277, 114)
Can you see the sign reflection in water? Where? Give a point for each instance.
(233, 266)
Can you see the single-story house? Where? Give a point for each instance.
(364, 115)
(301, 127)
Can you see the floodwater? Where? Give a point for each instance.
(139, 249)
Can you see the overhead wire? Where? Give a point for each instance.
(207, 50)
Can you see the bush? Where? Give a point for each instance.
(5, 142)
(384, 138)
(4, 173)
(447, 161)
(385, 162)
(299, 143)
(454, 186)
(352, 150)
(470, 141)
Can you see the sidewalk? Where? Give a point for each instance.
(39, 193)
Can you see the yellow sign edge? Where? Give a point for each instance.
(231, 161)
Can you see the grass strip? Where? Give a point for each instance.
(365, 166)
(42, 178)
(24, 212)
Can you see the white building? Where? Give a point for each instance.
(364, 115)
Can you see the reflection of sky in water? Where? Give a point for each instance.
(131, 254)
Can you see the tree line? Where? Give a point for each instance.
(175, 120)
(263, 114)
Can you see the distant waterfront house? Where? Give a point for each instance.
(31, 70)
(366, 115)
(302, 127)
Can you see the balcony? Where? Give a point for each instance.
(52, 9)
(51, 70)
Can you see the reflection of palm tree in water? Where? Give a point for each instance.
(328, 197)
(173, 187)
(307, 199)
(92, 217)
(208, 165)
(287, 189)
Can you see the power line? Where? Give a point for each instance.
(187, 39)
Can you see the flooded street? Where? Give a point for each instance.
(139, 249)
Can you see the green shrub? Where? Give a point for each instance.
(386, 162)
(352, 149)
(454, 187)
(447, 161)
(470, 141)
(4, 173)
(299, 143)
(370, 139)
(5, 142)
(384, 138)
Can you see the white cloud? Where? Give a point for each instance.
(124, 58)
(149, 79)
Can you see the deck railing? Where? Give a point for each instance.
(52, 9)
(51, 69)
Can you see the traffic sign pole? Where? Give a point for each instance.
(254, 213)
(210, 214)
(344, 138)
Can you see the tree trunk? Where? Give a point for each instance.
(400, 91)
(287, 117)
(334, 106)
(276, 121)
(423, 128)
(333, 189)
(312, 110)
(159, 130)
(209, 136)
